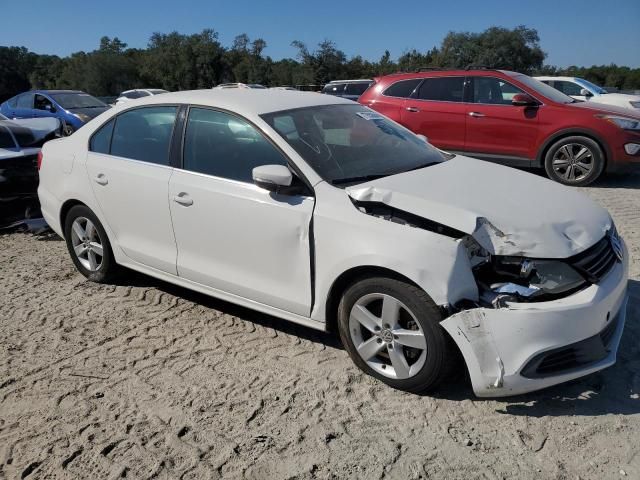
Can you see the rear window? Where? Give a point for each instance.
(333, 88)
(6, 140)
(403, 88)
(442, 89)
(357, 88)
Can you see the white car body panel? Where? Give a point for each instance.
(263, 250)
(282, 255)
(611, 98)
(134, 204)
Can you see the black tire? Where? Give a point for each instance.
(108, 268)
(67, 129)
(441, 354)
(575, 176)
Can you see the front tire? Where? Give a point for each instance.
(576, 161)
(391, 330)
(89, 245)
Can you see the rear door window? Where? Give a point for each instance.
(25, 101)
(144, 134)
(356, 88)
(333, 88)
(101, 140)
(403, 88)
(442, 89)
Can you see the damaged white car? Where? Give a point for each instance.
(325, 213)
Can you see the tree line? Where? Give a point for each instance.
(174, 61)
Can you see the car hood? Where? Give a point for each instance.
(600, 106)
(90, 112)
(507, 211)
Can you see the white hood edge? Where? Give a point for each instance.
(507, 211)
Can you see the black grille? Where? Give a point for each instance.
(595, 262)
(576, 355)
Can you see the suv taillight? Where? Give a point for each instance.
(39, 159)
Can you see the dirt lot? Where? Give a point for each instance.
(146, 380)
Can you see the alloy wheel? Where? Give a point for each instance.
(573, 162)
(387, 336)
(87, 244)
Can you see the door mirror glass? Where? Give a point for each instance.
(585, 93)
(274, 178)
(523, 100)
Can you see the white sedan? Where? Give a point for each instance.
(322, 212)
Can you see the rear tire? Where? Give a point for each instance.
(576, 161)
(378, 317)
(88, 245)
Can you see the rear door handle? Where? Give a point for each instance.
(412, 109)
(476, 114)
(101, 179)
(183, 198)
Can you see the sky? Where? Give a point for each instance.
(572, 32)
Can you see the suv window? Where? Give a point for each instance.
(25, 101)
(144, 134)
(333, 88)
(356, 88)
(223, 145)
(493, 91)
(442, 89)
(41, 103)
(101, 140)
(568, 88)
(403, 88)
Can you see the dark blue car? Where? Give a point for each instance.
(73, 107)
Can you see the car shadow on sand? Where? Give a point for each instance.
(615, 390)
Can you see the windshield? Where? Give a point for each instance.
(544, 89)
(591, 86)
(348, 144)
(70, 101)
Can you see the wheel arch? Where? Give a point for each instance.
(64, 210)
(571, 132)
(346, 279)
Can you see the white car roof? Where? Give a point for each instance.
(569, 79)
(246, 102)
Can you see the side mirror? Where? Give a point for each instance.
(586, 93)
(523, 100)
(272, 177)
(49, 108)
(423, 138)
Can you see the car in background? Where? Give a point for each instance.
(20, 142)
(351, 89)
(255, 86)
(320, 211)
(510, 118)
(584, 90)
(138, 93)
(73, 108)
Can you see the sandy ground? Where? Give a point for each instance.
(146, 380)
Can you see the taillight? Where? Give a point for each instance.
(39, 159)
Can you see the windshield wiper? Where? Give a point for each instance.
(362, 178)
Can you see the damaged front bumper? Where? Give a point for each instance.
(523, 347)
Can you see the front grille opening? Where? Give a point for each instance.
(595, 262)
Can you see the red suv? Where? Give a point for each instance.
(510, 118)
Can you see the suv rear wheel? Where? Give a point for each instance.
(575, 161)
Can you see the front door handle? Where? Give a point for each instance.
(101, 179)
(476, 114)
(412, 109)
(183, 198)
